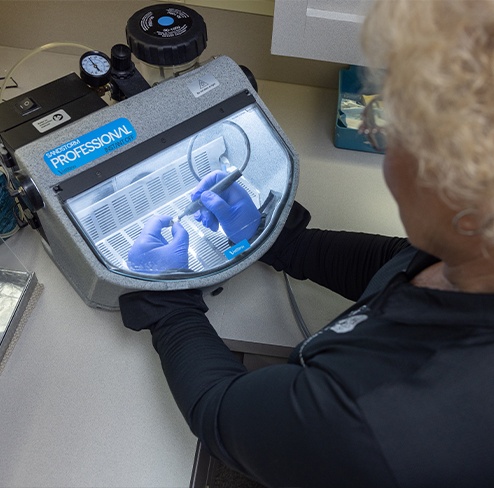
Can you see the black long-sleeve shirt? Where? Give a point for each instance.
(396, 392)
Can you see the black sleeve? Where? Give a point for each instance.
(284, 425)
(342, 261)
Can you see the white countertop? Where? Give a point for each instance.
(83, 401)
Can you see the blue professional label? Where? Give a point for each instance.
(237, 249)
(78, 152)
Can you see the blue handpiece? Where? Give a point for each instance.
(217, 188)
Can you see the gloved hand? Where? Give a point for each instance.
(233, 209)
(151, 253)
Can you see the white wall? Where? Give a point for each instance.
(326, 30)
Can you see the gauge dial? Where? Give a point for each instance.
(95, 68)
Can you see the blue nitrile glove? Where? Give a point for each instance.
(151, 253)
(233, 209)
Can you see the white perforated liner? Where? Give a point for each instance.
(114, 222)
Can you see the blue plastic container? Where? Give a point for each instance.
(8, 221)
(350, 87)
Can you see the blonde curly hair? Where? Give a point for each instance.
(438, 92)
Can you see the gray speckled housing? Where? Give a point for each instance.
(151, 113)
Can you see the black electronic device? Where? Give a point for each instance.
(35, 114)
(32, 115)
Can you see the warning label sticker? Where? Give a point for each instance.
(202, 85)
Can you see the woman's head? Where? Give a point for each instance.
(438, 92)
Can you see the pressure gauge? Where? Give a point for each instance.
(95, 68)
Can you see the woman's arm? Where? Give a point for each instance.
(284, 425)
(342, 261)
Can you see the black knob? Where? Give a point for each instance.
(121, 61)
(166, 35)
(250, 76)
(28, 192)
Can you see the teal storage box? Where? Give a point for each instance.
(350, 106)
